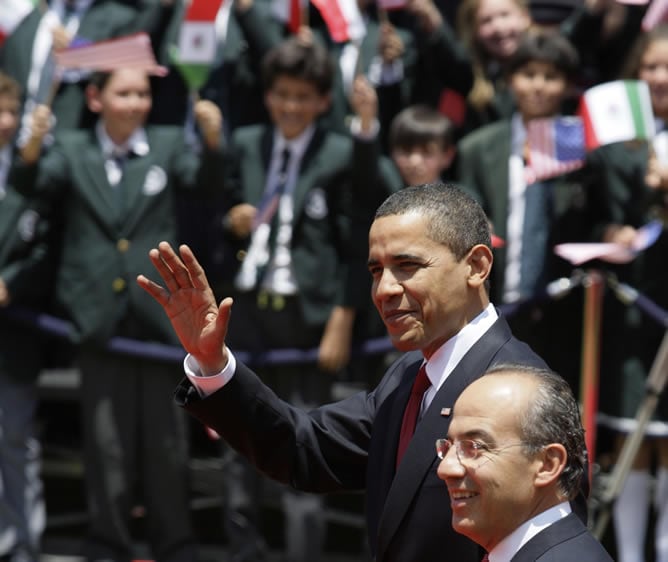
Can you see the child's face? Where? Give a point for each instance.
(123, 103)
(294, 104)
(422, 163)
(654, 70)
(9, 119)
(539, 89)
(499, 26)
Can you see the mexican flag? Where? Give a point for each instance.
(617, 111)
(12, 13)
(197, 42)
(343, 19)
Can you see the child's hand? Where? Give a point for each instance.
(40, 121)
(364, 101)
(305, 36)
(210, 121)
(391, 46)
(656, 176)
(239, 219)
(620, 234)
(4, 294)
(427, 14)
(61, 37)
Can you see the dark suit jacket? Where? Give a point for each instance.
(102, 252)
(567, 539)
(352, 445)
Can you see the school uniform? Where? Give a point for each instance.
(115, 208)
(486, 170)
(26, 268)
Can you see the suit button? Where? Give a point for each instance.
(118, 284)
(123, 245)
(241, 255)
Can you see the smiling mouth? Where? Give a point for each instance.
(459, 496)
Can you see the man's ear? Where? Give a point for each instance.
(93, 98)
(552, 461)
(480, 264)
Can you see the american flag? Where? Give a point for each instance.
(556, 146)
(130, 51)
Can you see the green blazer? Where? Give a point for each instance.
(103, 20)
(482, 169)
(26, 267)
(102, 249)
(322, 224)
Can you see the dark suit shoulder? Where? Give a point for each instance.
(566, 538)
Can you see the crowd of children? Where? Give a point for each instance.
(281, 159)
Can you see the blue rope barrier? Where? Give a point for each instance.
(63, 329)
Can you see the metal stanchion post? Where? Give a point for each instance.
(591, 339)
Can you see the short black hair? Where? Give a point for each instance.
(418, 125)
(455, 219)
(544, 46)
(295, 58)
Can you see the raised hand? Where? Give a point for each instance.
(189, 302)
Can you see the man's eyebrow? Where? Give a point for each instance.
(398, 257)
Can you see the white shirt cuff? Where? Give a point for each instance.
(207, 385)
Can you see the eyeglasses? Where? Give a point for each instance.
(468, 451)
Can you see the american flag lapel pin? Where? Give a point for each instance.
(445, 411)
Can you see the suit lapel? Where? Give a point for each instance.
(419, 456)
(310, 164)
(100, 194)
(559, 532)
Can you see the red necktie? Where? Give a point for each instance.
(420, 385)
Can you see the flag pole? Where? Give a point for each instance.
(590, 366)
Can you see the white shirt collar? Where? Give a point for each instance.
(518, 135)
(5, 163)
(508, 547)
(297, 145)
(447, 357)
(137, 143)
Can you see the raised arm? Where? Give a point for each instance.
(188, 301)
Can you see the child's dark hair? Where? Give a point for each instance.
(9, 87)
(544, 46)
(296, 59)
(632, 62)
(418, 125)
(99, 79)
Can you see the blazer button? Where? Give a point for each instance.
(118, 284)
(123, 245)
(241, 255)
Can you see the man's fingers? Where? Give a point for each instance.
(196, 273)
(180, 275)
(160, 264)
(160, 294)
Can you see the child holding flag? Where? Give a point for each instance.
(114, 187)
(532, 212)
